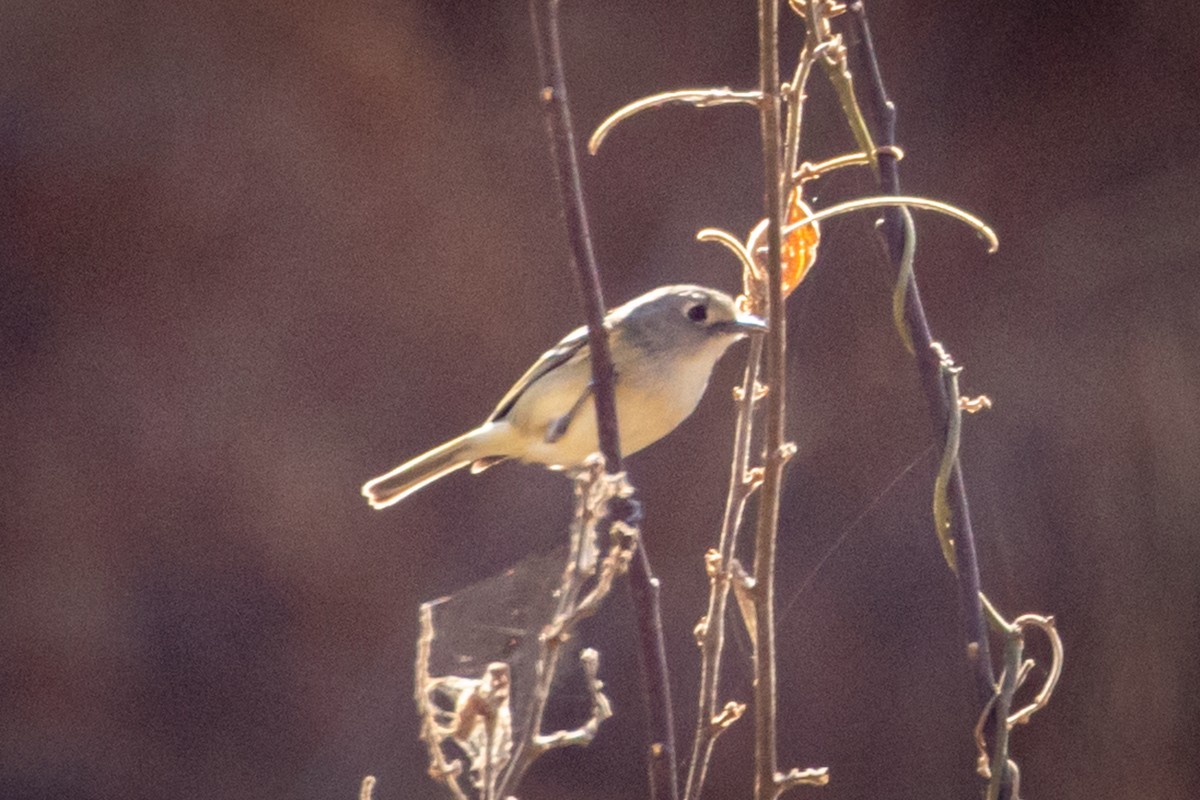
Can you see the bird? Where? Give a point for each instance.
(664, 346)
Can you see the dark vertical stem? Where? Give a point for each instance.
(660, 759)
(562, 149)
(768, 507)
(893, 233)
(643, 585)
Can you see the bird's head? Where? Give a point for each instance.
(684, 316)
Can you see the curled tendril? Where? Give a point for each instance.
(753, 289)
(700, 98)
(982, 228)
(1046, 626)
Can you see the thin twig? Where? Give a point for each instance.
(765, 755)
(660, 753)
(595, 492)
(1009, 681)
(643, 584)
(795, 111)
(712, 638)
(562, 146)
(601, 709)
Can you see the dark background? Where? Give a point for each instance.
(254, 254)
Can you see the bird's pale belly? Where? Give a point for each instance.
(649, 406)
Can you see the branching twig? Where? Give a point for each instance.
(996, 766)
(710, 634)
(765, 754)
(596, 491)
(941, 406)
(432, 733)
(952, 515)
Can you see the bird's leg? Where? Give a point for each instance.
(558, 427)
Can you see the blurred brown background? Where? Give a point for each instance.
(254, 254)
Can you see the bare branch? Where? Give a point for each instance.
(595, 491)
(1016, 671)
(561, 132)
(720, 563)
(895, 239)
(643, 585)
(765, 754)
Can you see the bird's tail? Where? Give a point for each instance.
(426, 468)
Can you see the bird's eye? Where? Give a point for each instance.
(697, 313)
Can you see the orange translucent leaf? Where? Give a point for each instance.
(799, 246)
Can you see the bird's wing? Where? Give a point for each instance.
(571, 346)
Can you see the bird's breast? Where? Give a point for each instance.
(652, 400)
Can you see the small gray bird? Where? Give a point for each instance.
(664, 347)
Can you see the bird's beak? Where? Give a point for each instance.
(744, 323)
